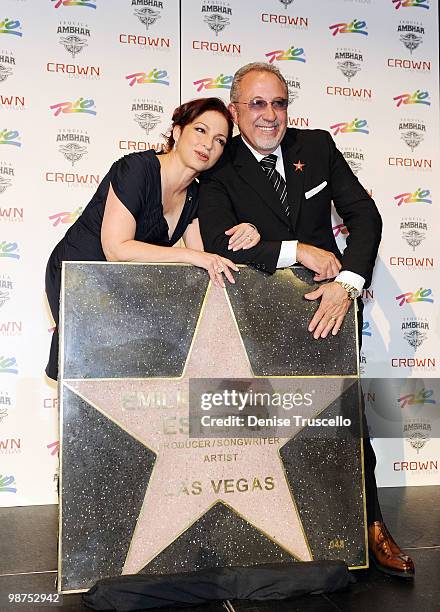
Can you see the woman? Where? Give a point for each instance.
(148, 202)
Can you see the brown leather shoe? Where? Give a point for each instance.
(386, 554)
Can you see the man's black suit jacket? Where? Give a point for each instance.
(237, 190)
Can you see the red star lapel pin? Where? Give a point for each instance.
(299, 166)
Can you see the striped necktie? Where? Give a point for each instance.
(268, 164)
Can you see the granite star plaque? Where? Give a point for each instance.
(140, 492)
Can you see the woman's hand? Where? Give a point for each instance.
(215, 265)
(242, 236)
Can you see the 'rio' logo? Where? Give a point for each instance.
(420, 196)
(411, 3)
(221, 82)
(422, 397)
(10, 137)
(418, 97)
(354, 27)
(9, 26)
(8, 365)
(80, 106)
(295, 54)
(422, 295)
(65, 217)
(160, 77)
(357, 125)
(5, 482)
(9, 249)
(88, 3)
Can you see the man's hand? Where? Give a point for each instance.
(325, 264)
(332, 309)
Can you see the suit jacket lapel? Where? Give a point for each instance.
(253, 174)
(291, 149)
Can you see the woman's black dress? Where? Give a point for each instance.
(136, 182)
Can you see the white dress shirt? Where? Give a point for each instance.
(287, 256)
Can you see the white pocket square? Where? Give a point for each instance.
(315, 190)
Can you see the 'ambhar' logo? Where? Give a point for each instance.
(293, 54)
(10, 137)
(9, 249)
(293, 88)
(354, 27)
(420, 196)
(215, 18)
(354, 158)
(356, 126)
(413, 231)
(6, 174)
(349, 62)
(148, 15)
(7, 61)
(7, 484)
(8, 365)
(220, 82)
(415, 331)
(9, 26)
(147, 113)
(286, 3)
(72, 144)
(418, 97)
(411, 3)
(410, 34)
(86, 3)
(412, 132)
(158, 77)
(6, 288)
(80, 106)
(73, 37)
(422, 295)
(66, 217)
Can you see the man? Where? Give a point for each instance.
(283, 181)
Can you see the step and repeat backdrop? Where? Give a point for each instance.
(84, 82)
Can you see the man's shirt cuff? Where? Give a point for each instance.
(353, 279)
(287, 256)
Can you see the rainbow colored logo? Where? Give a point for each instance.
(9, 26)
(420, 398)
(420, 196)
(340, 229)
(54, 447)
(422, 295)
(418, 97)
(10, 137)
(159, 77)
(411, 3)
(9, 249)
(220, 82)
(5, 484)
(80, 106)
(87, 3)
(354, 27)
(357, 125)
(65, 217)
(293, 53)
(8, 365)
(366, 330)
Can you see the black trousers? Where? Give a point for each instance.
(372, 502)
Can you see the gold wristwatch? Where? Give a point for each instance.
(352, 292)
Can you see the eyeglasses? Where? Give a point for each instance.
(258, 104)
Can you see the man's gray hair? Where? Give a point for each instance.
(253, 67)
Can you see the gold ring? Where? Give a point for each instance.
(219, 270)
(333, 319)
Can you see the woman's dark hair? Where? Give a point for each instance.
(189, 111)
